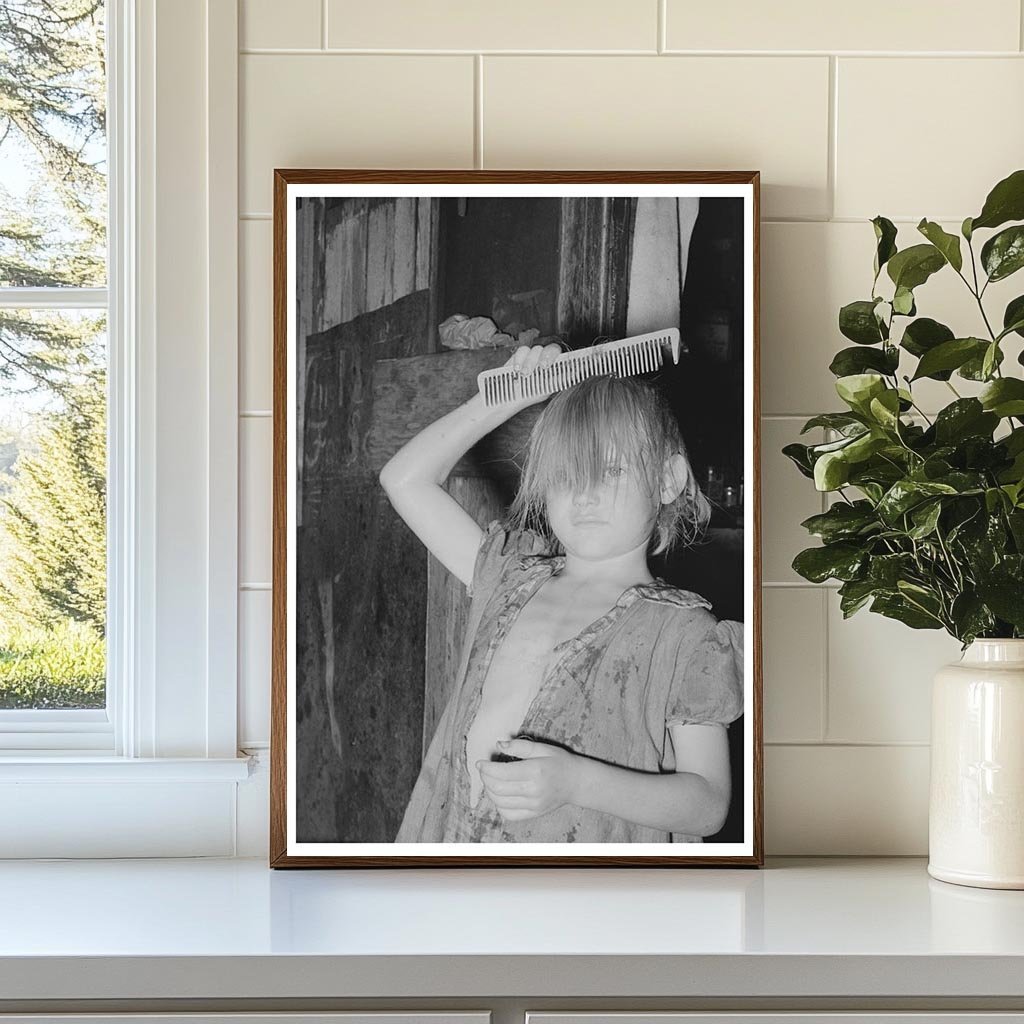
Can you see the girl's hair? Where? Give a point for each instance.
(605, 417)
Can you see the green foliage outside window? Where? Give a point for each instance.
(53, 214)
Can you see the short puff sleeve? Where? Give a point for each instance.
(707, 682)
(500, 546)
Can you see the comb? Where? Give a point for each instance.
(643, 353)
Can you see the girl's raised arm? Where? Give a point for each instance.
(412, 478)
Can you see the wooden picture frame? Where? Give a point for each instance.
(367, 625)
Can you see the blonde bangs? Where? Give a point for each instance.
(582, 430)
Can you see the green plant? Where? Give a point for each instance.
(63, 666)
(928, 522)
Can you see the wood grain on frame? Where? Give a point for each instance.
(390, 276)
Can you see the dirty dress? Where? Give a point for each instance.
(657, 657)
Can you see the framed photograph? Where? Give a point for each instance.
(516, 560)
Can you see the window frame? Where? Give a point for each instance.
(172, 301)
(79, 729)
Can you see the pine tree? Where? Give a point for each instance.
(53, 518)
(52, 109)
(53, 121)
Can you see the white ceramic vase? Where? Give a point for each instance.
(976, 812)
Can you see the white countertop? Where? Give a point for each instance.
(232, 928)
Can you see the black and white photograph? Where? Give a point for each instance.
(516, 617)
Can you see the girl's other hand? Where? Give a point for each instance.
(527, 359)
(544, 779)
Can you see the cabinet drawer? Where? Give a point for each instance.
(354, 1017)
(850, 1017)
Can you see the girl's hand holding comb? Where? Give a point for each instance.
(545, 777)
(526, 360)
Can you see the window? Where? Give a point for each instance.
(53, 374)
(156, 769)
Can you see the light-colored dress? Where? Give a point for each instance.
(657, 657)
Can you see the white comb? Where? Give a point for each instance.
(643, 353)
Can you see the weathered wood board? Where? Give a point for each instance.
(360, 657)
(410, 393)
(361, 598)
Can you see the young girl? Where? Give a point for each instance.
(592, 697)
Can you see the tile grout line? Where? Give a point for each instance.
(831, 171)
(478, 111)
(799, 584)
(824, 714)
(898, 221)
(845, 744)
(825, 651)
(257, 51)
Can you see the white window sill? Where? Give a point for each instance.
(81, 767)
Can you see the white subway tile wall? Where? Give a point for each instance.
(254, 665)
(256, 283)
(871, 25)
(910, 111)
(701, 113)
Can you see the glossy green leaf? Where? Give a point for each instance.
(858, 389)
(1015, 492)
(947, 244)
(841, 421)
(990, 360)
(832, 561)
(831, 471)
(964, 418)
(964, 481)
(865, 446)
(974, 368)
(1013, 317)
(901, 609)
(1005, 202)
(850, 361)
(799, 455)
(925, 518)
(842, 521)
(885, 408)
(971, 616)
(834, 446)
(854, 594)
(949, 356)
(885, 571)
(913, 266)
(903, 302)
(857, 322)
(904, 495)
(885, 237)
(1006, 599)
(924, 334)
(1004, 397)
(1003, 254)
(1015, 520)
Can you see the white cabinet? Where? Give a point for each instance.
(360, 1017)
(785, 1017)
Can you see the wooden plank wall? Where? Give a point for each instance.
(593, 288)
(375, 251)
(361, 573)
